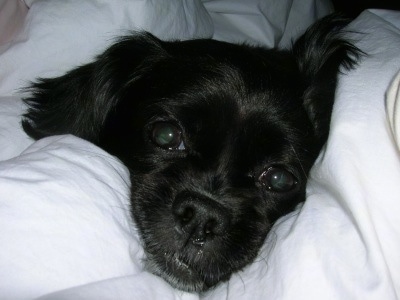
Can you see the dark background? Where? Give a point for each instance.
(355, 7)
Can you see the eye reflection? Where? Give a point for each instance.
(278, 179)
(167, 135)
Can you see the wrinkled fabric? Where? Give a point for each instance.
(66, 230)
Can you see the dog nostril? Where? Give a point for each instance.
(187, 215)
(184, 217)
(209, 227)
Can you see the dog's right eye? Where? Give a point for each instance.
(167, 135)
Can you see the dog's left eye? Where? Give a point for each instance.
(167, 135)
(278, 179)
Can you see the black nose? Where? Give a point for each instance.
(199, 218)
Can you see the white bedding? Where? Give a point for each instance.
(64, 206)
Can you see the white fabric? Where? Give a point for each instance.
(66, 231)
(59, 35)
(393, 108)
(65, 219)
(12, 139)
(273, 23)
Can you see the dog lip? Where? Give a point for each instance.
(181, 275)
(176, 262)
(191, 276)
(180, 262)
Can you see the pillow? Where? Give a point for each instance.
(13, 139)
(58, 35)
(393, 108)
(64, 219)
(268, 22)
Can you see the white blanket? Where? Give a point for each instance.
(66, 232)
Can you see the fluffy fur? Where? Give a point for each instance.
(219, 138)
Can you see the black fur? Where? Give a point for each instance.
(246, 124)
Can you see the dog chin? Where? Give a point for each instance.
(182, 276)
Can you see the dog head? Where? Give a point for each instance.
(219, 138)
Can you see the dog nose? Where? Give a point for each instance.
(199, 217)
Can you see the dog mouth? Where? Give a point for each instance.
(184, 275)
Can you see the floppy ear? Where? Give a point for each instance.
(320, 53)
(79, 101)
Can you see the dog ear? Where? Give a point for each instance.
(79, 101)
(321, 53)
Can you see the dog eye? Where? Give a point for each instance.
(168, 136)
(278, 179)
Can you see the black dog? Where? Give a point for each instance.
(218, 137)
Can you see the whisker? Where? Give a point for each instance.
(298, 159)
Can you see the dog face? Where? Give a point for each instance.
(218, 152)
(219, 138)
